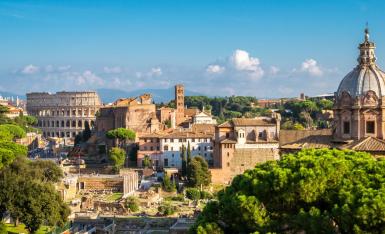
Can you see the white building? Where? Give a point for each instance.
(203, 118)
(171, 147)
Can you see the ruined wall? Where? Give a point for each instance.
(101, 183)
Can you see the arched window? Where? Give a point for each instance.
(80, 124)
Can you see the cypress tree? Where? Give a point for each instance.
(184, 163)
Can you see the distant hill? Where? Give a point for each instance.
(159, 95)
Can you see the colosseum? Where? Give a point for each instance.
(63, 114)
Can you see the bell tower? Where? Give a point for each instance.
(179, 103)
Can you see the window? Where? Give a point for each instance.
(370, 127)
(165, 147)
(166, 162)
(193, 140)
(346, 127)
(228, 154)
(227, 134)
(152, 148)
(157, 148)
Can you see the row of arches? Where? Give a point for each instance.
(65, 123)
(68, 112)
(60, 134)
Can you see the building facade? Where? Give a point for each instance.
(359, 109)
(63, 114)
(138, 114)
(179, 103)
(164, 149)
(242, 143)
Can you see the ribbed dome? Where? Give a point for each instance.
(361, 80)
(366, 76)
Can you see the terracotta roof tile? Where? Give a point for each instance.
(366, 144)
(253, 121)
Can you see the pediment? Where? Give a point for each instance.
(370, 99)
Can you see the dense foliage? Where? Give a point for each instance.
(121, 134)
(225, 108)
(28, 194)
(193, 194)
(168, 186)
(132, 203)
(305, 114)
(117, 156)
(312, 191)
(198, 173)
(166, 209)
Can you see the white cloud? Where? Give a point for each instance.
(215, 69)
(310, 66)
(242, 61)
(273, 70)
(30, 69)
(88, 77)
(112, 69)
(64, 68)
(155, 71)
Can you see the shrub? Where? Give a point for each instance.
(193, 194)
(168, 186)
(206, 195)
(166, 209)
(132, 203)
(178, 197)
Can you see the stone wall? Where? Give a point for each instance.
(242, 160)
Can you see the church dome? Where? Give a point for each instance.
(366, 76)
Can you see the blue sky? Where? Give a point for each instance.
(260, 48)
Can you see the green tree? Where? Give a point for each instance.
(193, 194)
(86, 132)
(168, 186)
(132, 203)
(188, 161)
(146, 161)
(312, 191)
(3, 109)
(29, 196)
(325, 104)
(3, 228)
(198, 172)
(5, 135)
(184, 161)
(17, 150)
(16, 131)
(6, 157)
(121, 134)
(117, 156)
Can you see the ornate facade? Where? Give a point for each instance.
(359, 109)
(63, 114)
